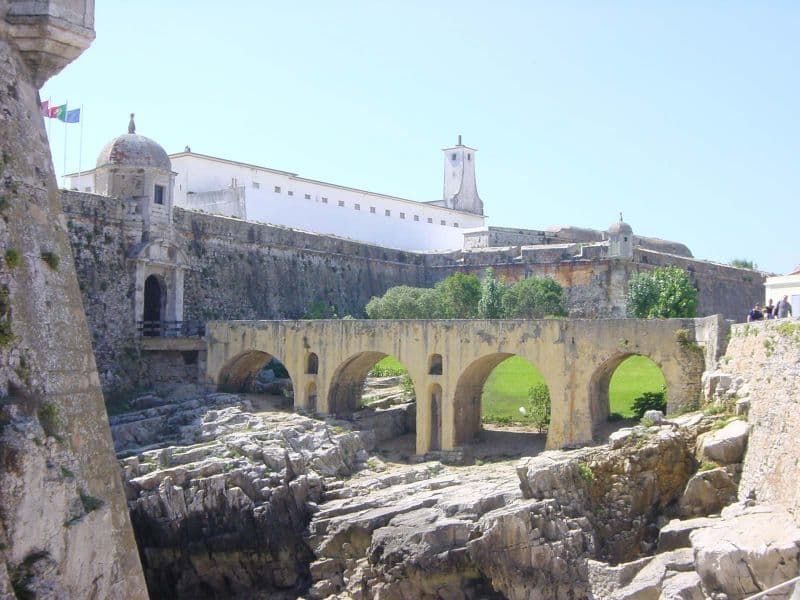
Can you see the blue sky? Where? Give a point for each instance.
(682, 115)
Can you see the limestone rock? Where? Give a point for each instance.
(748, 550)
(707, 492)
(727, 445)
(647, 583)
(675, 534)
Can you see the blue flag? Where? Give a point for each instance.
(73, 116)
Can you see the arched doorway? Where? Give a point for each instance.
(155, 302)
(619, 382)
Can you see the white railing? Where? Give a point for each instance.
(766, 593)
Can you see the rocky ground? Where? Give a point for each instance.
(231, 496)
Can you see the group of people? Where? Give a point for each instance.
(781, 310)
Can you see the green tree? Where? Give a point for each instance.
(534, 298)
(663, 293)
(490, 305)
(743, 263)
(460, 295)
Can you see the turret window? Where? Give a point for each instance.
(158, 194)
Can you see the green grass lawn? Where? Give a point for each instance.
(506, 388)
(636, 375)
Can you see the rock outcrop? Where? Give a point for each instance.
(223, 513)
(233, 502)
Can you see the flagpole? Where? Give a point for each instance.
(50, 99)
(80, 144)
(64, 172)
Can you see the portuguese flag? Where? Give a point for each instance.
(58, 112)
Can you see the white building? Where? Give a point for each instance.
(776, 288)
(260, 194)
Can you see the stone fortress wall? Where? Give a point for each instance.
(242, 270)
(64, 527)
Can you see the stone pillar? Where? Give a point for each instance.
(424, 423)
(448, 417)
(64, 523)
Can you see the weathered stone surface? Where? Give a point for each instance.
(725, 446)
(225, 511)
(64, 530)
(707, 492)
(647, 584)
(766, 356)
(675, 534)
(747, 551)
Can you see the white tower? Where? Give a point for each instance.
(460, 189)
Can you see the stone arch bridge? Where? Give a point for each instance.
(449, 361)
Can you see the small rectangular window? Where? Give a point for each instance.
(341, 202)
(442, 222)
(158, 194)
(430, 220)
(372, 209)
(402, 215)
(290, 193)
(277, 189)
(308, 196)
(324, 200)
(387, 212)
(416, 217)
(256, 185)
(357, 206)
(87, 189)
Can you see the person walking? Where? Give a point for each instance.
(755, 314)
(769, 310)
(783, 309)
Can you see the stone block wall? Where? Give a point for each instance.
(766, 355)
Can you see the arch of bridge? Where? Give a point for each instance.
(576, 358)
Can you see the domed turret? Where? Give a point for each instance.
(137, 170)
(620, 228)
(620, 239)
(133, 150)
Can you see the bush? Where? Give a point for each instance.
(649, 401)
(539, 406)
(534, 298)
(13, 258)
(51, 259)
(663, 293)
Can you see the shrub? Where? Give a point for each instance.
(90, 503)
(539, 406)
(649, 401)
(408, 387)
(13, 258)
(585, 471)
(51, 259)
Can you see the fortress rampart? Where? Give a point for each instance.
(243, 270)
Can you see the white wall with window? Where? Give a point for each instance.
(283, 198)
